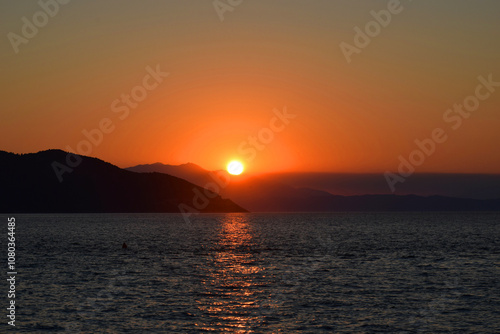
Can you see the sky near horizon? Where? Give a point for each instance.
(231, 79)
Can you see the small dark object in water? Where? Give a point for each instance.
(124, 245)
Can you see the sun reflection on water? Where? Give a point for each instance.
(232, 291)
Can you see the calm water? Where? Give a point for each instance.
(259, 273)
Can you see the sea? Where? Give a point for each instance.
(256, 273)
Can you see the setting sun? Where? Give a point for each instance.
(235, 167)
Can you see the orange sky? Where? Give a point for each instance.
(226, 78)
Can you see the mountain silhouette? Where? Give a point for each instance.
(477, 186)
(261, 194)
(30, 184)
(189, 171)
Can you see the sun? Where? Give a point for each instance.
(235, 167)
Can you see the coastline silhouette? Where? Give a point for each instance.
(30, 185)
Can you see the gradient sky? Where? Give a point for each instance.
(227, 77)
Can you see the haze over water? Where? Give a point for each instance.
(259, 273)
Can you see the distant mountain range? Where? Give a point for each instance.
(30, 183)
(477, 186)
(262, 194)
(55, 181)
